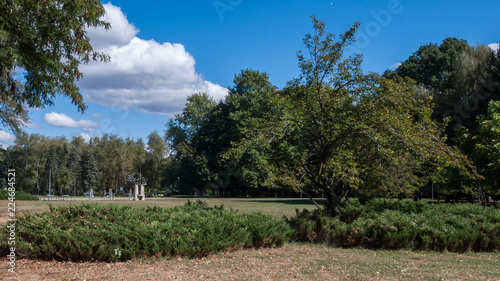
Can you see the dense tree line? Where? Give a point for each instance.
(464, 84)
(334, 131)
(75, 166)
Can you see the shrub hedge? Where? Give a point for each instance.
(394, 224)
(20, 195)
(91, 232)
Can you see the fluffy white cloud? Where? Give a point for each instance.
(6, 137)
(85, 137)
(62, 120)
(143, 75)
(121, 33)
(494, 46)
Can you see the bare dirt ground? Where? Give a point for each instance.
(291, 262)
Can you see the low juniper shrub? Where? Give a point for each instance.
(401, 224)
(19, 195)
(91, 232)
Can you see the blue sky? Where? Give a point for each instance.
(163, 51)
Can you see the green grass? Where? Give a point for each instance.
(276, 207)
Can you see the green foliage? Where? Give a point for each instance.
(193, 136)
(462, 80)
(391, 224)
(20, 195)
(89, 170)
(488, 146)
(48, 39)
(337, 129)
(433, 65)
(73, 170)
(92, 232)
(155, 161)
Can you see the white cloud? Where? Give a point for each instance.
(396, 65)
(97, 115)
(494, 46)
(121, 31)
(85, 137)
(63, 120)
(6, 137)
(144, 75)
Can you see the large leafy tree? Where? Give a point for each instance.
(248, 100)
(462, 81)
(191, 138)
(46, 40)
(156, 161)
(433, 65)
(487, 144)
(341, 130)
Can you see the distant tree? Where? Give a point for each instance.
(73, 166)
(155, 160)
(186, 137)
(475, 84)
(487, 144)
(433, 65)
(46, 41)
(52, 166)
(89, 171)
(248, 100)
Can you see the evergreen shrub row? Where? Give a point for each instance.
(91, 232)
(394, 224)
(20, 195)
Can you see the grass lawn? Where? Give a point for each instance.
(273, 206)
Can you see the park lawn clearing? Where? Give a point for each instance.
(291, 262)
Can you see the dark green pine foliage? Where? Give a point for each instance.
(73, 165)
(90, 170)
(52, 166)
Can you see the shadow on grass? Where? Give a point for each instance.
(320, 201)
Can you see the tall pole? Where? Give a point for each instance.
(140, 172)
(432, 192)
(179, 185)
(50, 176)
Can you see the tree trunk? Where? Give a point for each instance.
(332, 202)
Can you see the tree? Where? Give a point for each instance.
(190, 143)
(248, 100)
(155, 163)
(73, 166)
(46, 40)
(433, 65)
(475, 84)
(487, 144)
(342, 130)
(89, 170)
